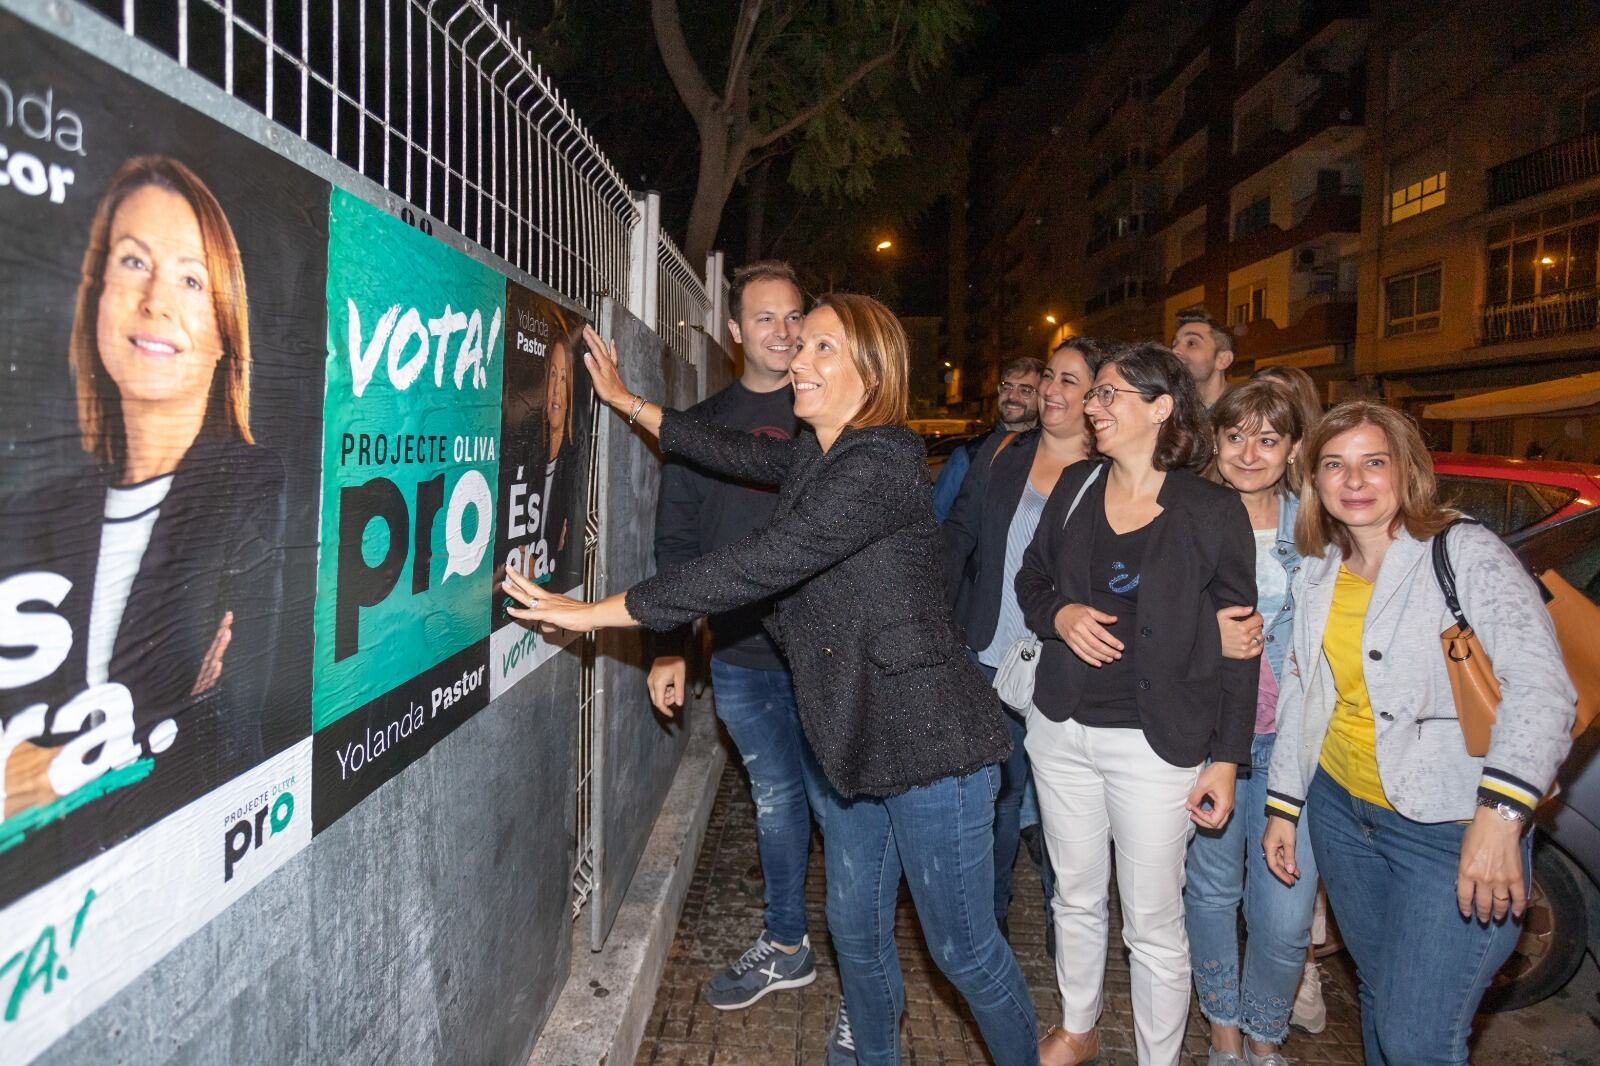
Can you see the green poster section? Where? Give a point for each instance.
(411, 430)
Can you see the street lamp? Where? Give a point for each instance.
(885, 245)
(1050, 319)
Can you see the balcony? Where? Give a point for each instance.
(1569, 311)
(1315, 16)
(1125, 226)
(1324, 320)
(1564, 163)
(1340, 102)
(1317, 216)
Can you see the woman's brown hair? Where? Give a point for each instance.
(1420, 514)
(1303, 387)
(879, 348)
(1152, 370)
(100, 421)
(1257, 403)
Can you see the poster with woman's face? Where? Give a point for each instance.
(159, 418)
(544, 469)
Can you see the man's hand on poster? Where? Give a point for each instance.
(551, 611)
(668, 683)
(211, 666)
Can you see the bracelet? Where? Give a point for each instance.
(638, 405)
(1506, 811)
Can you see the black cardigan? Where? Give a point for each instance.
(1193, 703)
(976, 530)
(887, 697)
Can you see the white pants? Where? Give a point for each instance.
(1094, 783)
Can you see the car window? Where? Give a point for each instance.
(943, 446)
(1528, 506)
(1479, 497)
(1557, 496)
(1583, 570)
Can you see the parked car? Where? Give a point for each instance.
(940, 448)
(1511, 495)
(1563, 916)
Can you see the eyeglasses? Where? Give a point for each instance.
(1007, 387)
(1104, 395)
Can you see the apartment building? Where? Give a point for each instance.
(1478, 265)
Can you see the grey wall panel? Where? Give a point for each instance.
(640, 750)
(430, 924)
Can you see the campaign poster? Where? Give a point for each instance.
(410, 463)
(546, 432)
(161, 353)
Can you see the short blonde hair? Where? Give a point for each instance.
(100, 419)
(1420, 513)
(881, 353)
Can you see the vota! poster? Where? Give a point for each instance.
(160, 421)
(410, 465)
(544, 473)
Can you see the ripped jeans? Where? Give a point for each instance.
(1227, 869)
(786, 784)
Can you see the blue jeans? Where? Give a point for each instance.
(1015, 807)
(940, 837)
(1226, 868)
(1392, 886)
(786, 784)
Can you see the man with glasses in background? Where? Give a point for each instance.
(1019, 411)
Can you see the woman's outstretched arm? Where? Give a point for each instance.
(716, 448)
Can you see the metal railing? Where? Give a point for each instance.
(438, 102)
(1564, 163)
(1569, 311)
(435, 100)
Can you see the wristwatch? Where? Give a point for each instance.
(1509, 812)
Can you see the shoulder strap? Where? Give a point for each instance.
(1004, 441)
(1445, 574)
(1079, 497)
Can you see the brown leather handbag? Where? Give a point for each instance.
(1472, 680)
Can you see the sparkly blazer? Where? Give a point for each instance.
(887, 696)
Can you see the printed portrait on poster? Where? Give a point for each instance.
(158, 498)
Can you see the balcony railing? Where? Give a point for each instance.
(1571, 311)
(1573, 160)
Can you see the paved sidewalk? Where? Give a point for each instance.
(722, 917)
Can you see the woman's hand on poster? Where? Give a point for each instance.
(1216, 787)
(600, 357)
(211, 666)
(1084, 630)
(548, 610)
(1241, 632)
(1278, 846)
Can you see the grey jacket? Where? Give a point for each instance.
(1423, 762)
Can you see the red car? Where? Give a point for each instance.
(1509, 495)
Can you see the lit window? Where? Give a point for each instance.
(1411, 302)
(1419, 182)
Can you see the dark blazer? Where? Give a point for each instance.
(1193, 703)
(976, 530)
(887, 697)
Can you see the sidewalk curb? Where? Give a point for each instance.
(600, 1017)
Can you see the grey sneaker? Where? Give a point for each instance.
(842, 1044)
(1223, 1058)
(760, 970)
(1310, 1009)
(1271, 1058)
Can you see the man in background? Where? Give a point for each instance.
(1019, 411)
(1205, 346)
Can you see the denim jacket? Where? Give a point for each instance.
(1275, 644)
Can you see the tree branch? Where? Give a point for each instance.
(681, 67)
(743, 34)
(828, 99)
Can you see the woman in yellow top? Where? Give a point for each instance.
(1423, 848)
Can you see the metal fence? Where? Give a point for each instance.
(439, 103)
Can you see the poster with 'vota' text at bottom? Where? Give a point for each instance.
(411, 428)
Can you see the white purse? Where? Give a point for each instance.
(1013, 678)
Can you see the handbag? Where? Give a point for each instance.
(1472, 682)
(1013, 678)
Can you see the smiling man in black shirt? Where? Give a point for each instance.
(700, 512)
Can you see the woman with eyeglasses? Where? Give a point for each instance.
(1139, 723)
